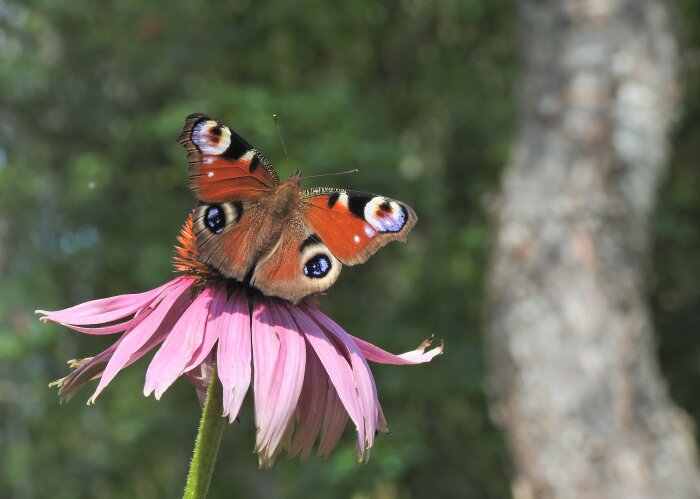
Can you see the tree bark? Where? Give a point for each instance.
(575, 381)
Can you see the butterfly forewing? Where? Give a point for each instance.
(223, 166)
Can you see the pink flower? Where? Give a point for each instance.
(309, 376)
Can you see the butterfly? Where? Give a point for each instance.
(271, 234)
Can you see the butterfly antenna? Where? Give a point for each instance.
(279, 134)
(331, 174)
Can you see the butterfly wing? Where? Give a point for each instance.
(298, 266)
(223, 166)
(354, 225)
(231, 179)
(226, 233)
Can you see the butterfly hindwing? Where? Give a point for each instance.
(354, 225)
(225, 235)
(223, 166)
(298, 266)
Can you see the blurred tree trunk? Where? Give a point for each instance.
(576, 384)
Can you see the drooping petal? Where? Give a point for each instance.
(171, 359)
(366, 388)
(84, 370)
(266, 347)
(288, 378)
(337, 367)
(417, 356)
(200, 377)
(133, 343)
(112, 328)
(108, 309)
(230, 320)
(334, 421)
(381, 422)
(211, 331)
(283, 386)
(311, 408)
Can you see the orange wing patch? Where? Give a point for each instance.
(216, 180)
(223, 166)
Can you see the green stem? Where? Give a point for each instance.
(206, 447)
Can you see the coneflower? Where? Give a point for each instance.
(309, 376)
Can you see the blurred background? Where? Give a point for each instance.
(420, 96)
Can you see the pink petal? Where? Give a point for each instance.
(84, 370)
(381, 422)
(108, 309)
(285, 381)
(161, 334)
(114, 328)
(171, 359)
(265, 350)
(200, 377)
(334, 422)
(211, 331)
(366, 387)
(230, 320)
(132, 345)
(336, 366)
(417, 356)
(311, 408)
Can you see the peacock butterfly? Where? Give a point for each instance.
(271, 234)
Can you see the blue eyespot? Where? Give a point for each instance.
(215, 219)
(317, 266)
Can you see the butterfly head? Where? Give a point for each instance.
(285, 199)
(296, 177)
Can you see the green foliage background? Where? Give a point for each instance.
(419, 95)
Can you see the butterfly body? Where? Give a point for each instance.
(271, 234)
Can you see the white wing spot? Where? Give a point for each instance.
(369, 231)
(210, 174)
(208, 142)
(356, 239)
(384, 215)
(248, 156)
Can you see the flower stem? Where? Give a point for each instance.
(206, 447)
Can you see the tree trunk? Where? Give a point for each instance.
(575, 380)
